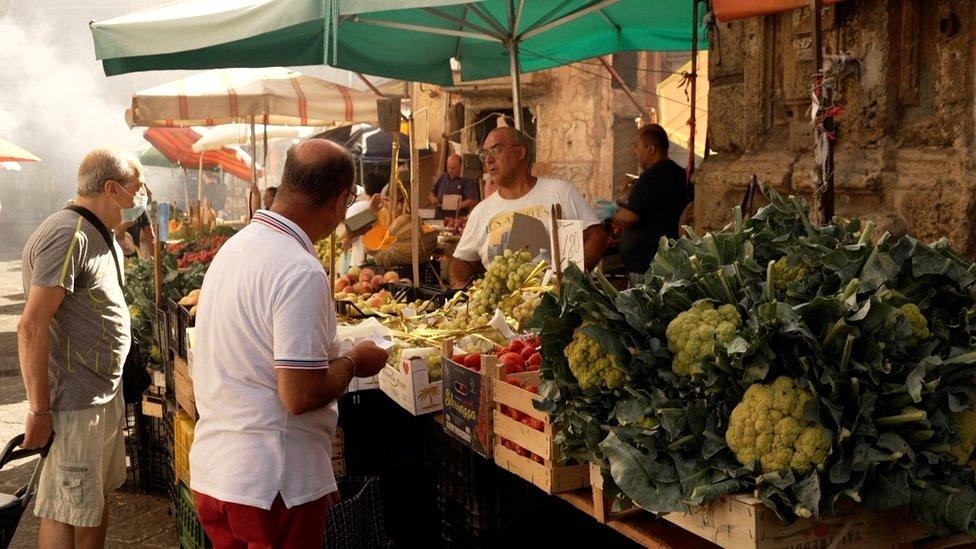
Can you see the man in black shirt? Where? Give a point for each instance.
(656, 202)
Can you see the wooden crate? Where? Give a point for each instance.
(184, 387)
(602, 505)
(183, 426)
(552, 476)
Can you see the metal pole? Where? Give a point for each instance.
(414, 186)
(516, 83)
(825, 181)
(692, 119)
(513, 60)
(623, 85)
(251, 207)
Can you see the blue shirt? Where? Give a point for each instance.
(445, 184)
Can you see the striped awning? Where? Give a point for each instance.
(271, 96)
(176, 144)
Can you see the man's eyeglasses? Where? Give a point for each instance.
(351, 199)
(493, 152)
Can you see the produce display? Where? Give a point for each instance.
(526, 420)
(455, 225)
(512, 283)
(815, 367)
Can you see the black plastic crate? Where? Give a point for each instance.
(160, 331)
(429, 273)
(357, 522)
(177, 331)
(132, 433)
(408, 292)
(157, 452)
(349, 309)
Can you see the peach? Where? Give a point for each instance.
(376, 282)
(390, 276)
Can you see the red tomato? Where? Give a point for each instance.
(536, 358)
(516, 346)
(473, 362)
(510, 359)
(458, 359)
(523, 452)
(532, 388)
(538, 459)
(513, 381)
(532, 367)
(527, 353)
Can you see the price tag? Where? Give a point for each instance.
(451, 202)
(570, 241)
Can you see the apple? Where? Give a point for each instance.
(353, 272)
(367, 272)
(341, 284)
(364, 277)
(376, 282)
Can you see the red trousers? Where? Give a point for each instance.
(236, 526)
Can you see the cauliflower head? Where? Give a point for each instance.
(920, 325)
(692, 335)
(785, 275)
(767, 426)
(593, 366)
(964, 425)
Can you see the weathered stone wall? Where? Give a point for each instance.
(574, 139)
(905, 153)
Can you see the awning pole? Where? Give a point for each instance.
(253, 193)
(692, 119)
(513, 61)
(414, 186)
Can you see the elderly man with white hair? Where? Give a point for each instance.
(73, 339)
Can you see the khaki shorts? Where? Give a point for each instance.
(86, 463)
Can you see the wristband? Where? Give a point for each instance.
(351, 361)
(42, 412)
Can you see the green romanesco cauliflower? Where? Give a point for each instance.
(592, 366)
(692, 335)
(768, 427)
(920, 325)
(964, 425)
(785, 275)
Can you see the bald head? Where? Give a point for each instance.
(101, 165)
(316, 171)
(454, 165)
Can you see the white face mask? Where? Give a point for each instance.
(139, 203)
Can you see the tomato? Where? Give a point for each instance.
(536, 358)
(513, 381)
(538, 459)
(458, 359)
(509, 359)
(532, 367)
(522, 451)
(527, 353)
(473, 362)
(516, 346)
(532, 388)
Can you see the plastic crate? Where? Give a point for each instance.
(177, 332)
(429, 273)
(160, 331)
(134, 454)
(188, 528)
(357, 522)
(157, 464)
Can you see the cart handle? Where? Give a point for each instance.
(11, 451)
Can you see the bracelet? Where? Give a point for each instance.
(351, 361)
(41, 413)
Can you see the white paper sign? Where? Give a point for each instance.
(570, 236)
(451, 202)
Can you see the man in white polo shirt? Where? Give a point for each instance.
(266, 371)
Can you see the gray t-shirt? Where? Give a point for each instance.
(90, 334)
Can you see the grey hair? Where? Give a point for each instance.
(100, 165)
(521, 138)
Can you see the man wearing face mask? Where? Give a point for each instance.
(73, 339)
(267, 370)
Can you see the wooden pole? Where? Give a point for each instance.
(414, 188)
(157, 265)
(623, 85)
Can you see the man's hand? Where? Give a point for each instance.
(432, 200)
(377, 202)
(37, 431)
(369, 358)
(460, 271)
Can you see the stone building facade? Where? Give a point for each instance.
(905, 151)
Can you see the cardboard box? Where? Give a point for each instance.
(184, 387)
(363, 384)
(359, 224)
(468, 403)
(410, 385)
(183, 427)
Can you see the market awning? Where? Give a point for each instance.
(271, 95)
(240, 134)
(176, 144)
(12, 153)
(730, 10)
(407, 39)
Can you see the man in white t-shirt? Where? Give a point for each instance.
(505, 156)
(267, 371)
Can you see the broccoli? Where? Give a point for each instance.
(768, 426)
(920, 325)
(592, 366)
(693, 334)
(964, 425)
(784, 275)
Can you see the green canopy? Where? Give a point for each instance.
(404, 39)
(150, 156)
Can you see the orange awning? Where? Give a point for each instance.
(176, 144)
(730, 10)
(12, 153)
